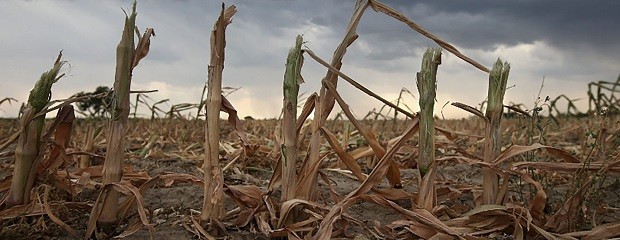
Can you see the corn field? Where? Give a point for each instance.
(504, 173)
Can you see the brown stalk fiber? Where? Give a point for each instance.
(427, 86)
(213, 179)
(113, 165)
(127, 58)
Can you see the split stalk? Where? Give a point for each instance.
(498, 78)
(213, 177)
(292, 79)
(113, 165)
(427, 87)
(27, 152)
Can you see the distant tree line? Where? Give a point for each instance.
(95, 104)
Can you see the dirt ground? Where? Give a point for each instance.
(170, 208)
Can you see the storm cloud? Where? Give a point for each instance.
(568, 43)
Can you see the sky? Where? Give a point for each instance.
(567, 43)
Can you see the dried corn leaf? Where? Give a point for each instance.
(37, 209)
(246, 196)
(380, 7)
(262, 223)
(125, 188)
(326, 226)
(235, 122)
(427, 195)
(485, 209)
(348, 160)
(449, 133)
(288, 206)
(393, 173)
(144, 44)
(309, 169)
(10, 140)
(330, 186)
(545, 234)
(52, 216)
(418, 229)
(327, 100)
(126, 206)
(305, 112)
(471, 110)
(62, 128)
(517, 149)
(423, 216)
(570, 167)
(131, 190)
(201, 230)
(133, 228)
(540, 198)
(518, 232)
(604, 231)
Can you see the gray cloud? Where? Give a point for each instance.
(568, 42)
(482, 24)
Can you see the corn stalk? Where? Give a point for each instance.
(127, 58)
(28, 151)
(427, 86)
(498, 78)
(292, 79)
(213, 177)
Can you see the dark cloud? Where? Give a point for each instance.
(569, 42)
(483, 24)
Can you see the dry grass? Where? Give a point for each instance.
(176, 142)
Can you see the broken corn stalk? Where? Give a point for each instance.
(213, 206)
(27, 152)
(427, 87)
(498, 78)
(292, 79)
(113, 165)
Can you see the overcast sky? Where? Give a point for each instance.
(568, 43)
